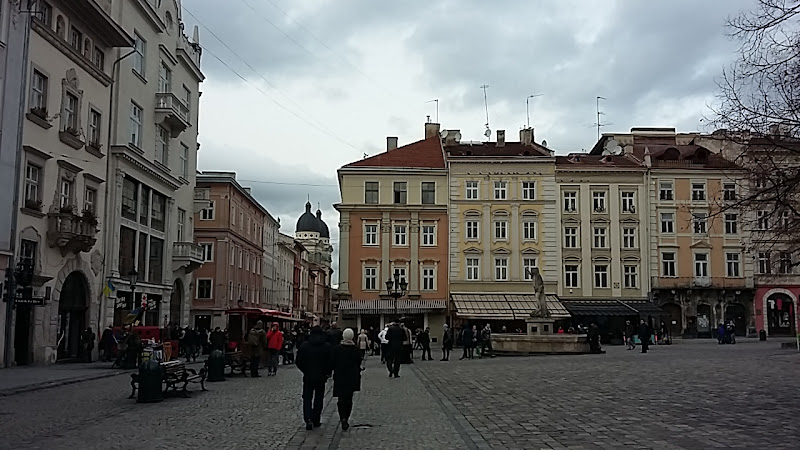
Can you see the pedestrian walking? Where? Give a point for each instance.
(274, 347)
(447, 343)
(217, 339)
(486, 341)
(363, 345)
(314, 361)
(107, 343)
(630, 331)
(87, 343)
(644, 336)
(257, 340)
(424, 340)
(346, 365)
(190, 345)
(467, 339)
(384, 343)
(395, 336)
(334, 334)
(408, 350)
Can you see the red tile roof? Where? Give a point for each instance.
(424, 154)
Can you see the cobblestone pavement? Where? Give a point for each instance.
(680, 396)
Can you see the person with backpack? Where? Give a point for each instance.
(257, 340)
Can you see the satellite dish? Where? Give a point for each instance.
(443, 134)
(458, 136)
(487, 133)
(544, 143)
(612, 147)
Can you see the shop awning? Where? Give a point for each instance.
(504, 306)
(272, 313)
(611, 308)
(382, 306)
(645, 307)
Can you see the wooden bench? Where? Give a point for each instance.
(174, 376)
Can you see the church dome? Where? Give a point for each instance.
(307, 222)
(323, 228)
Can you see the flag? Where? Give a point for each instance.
(109, 288)
(134, 317)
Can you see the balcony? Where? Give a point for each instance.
(701, 283)
(172, 112)
(188, 255)
(70, 232)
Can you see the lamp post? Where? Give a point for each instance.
(396, 288)
(133, 277)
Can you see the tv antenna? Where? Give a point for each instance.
(488, 131)
(436, 100)
(599, 124)
(527, 106)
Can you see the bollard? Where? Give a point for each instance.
(762, 335)
(150, 382)
(216, 366)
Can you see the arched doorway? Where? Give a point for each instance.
(704, 326)
(780, 315)
(737, 313)
(675, 318)
(175, 303)
(73, 305)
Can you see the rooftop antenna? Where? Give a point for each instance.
(488, 131)
(436, 100)
(599, 124)
(527, 106)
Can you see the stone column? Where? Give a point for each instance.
(344, 253)
(413, 282)
(487, 236)
(386, 244)
(516, 237)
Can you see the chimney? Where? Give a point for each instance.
(501, 138)
(391, 143)
(431, 130)
(526, 136)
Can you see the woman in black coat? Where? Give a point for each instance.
(346, 375)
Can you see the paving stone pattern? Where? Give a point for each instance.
(682, 396)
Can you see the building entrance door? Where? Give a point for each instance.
(73, 304)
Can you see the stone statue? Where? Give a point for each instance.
(538, 292)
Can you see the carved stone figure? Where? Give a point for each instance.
(538, 292)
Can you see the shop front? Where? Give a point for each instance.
(776, 312)
(416, 314)
(503, 310)
(611, 316)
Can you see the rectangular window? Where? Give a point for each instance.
(698, 191)
(571, 276)
(529, 190)
(400, 274)
(44, 12)
(241, 258)
(570, 237)
(371, 234)
(731, 223)
(144, 206)
(501, 269)
(400, 236)
(628, 203)
(400, 193)
(428, 278)
(94, 127)
(599, 201)
(158, 213)
(471, 190)
(473, 230)
(139, 48)
(71, 112)
(699, 223)
(370, 278)
(32, 180)
(204, 289)
(207, 213)
(233, 256)
(181, 224)
(184, 161)
(473, 269)
(570, 201)
(631, 276)
(529, 230)
(667, 223)
(89, 199)
(371, 192)
(127, 250)
(155, 261)
(785, 263)
(99, 58)
(208, 251)
(428, 235)
(428, 193)
(187, 97)
(162, 145)
(701, 265)
(601, 275)
(500, 190)
(27, 250)
(599, 237)
(527, 265)
(762, 220)
(629, 237)
(732, 265)
(665, 191)
(65, 193)
(784, 220)
(76, 39)
(500, 230)
(130, 199)
(729, 191)
(136, 126)
(38, 91)
(668, 264)
(764, 262)
(164, 78)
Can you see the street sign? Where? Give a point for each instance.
(36, 301)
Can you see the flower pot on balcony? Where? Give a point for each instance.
(35, 205)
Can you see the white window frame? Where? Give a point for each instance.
(90, 199)
(428, 232)
(210, 289)
(162, 145)
(667, 220)
(733, 260)
(181, 225)
(570, 199)
(400, 233)
(428, 276)
(233, 257)
(600, 237)
(368, 191)
(700, 223)
(472, 190)
(500, 268)
(473, 270)
(785, 264)
(469, 230)
(208, 251)
(184, 160)
(528, 263)
(135, 137)
(762, 220)
(729, 191)
(139, 61)
(630, 276)
(371, 278)
(629, 237)
(628, 201)
(571, 238)
(530, 229)
(701, 263)
(500, 190)
(672, 264)
(371, 238)
(528, 190)
(731, 223)
(402, 271)
(572, 278)
(33, 186)
(208, 212)
(164, 78)
(94, 126)
(764, 263)
(66, 188)
(423, 192)
(699, 191)
(39, 88)
(666, 191)
(500, 226)
(601, 276)
(599, 202)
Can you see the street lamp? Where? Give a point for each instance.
(396, 289)
(133, 277)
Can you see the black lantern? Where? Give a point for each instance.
(396, 288)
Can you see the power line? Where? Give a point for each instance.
(289, 184)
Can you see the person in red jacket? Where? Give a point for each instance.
(274, 346)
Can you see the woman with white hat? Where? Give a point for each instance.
(346, 375)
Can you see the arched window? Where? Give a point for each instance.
(60, 27)
(169, 21)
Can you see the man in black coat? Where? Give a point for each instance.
(644, 336)
(424, 339)
(394, 349)
(334, 335)
(314, 360)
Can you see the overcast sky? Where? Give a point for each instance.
(328, 80)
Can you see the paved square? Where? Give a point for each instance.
(692, 395)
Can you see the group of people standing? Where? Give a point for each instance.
(474, 340)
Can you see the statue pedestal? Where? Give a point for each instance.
(539, 326)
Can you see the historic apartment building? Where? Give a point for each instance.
(394, 226)
(152, 164)
(283, 288)
(313, 235)
(63, 177)
(230, 234)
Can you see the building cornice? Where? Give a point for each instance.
(186, 59)
(124, 152)
(401, 208)
(51, 37)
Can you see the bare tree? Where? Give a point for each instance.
(758, 116)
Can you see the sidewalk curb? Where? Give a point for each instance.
(52, 384)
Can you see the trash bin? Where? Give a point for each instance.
(150, 382)
(216, 366)
(762, 335)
